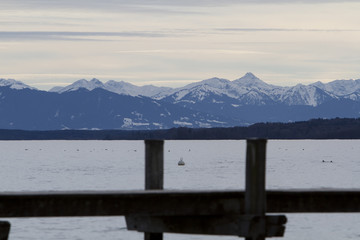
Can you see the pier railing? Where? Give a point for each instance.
(155, 211)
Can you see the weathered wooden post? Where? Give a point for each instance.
(154, 173)
(255, 195)
(252, 223)
(4, 230)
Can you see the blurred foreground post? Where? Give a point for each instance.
(4, 230)
(154, 173)
(255, 195)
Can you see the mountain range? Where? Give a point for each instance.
(214, 102)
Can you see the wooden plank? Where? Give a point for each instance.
(170, 202)
(154, 174)
(150, 202)
(231, 225)
(313, 201)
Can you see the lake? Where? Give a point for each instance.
(119, 165)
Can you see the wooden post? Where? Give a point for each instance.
(255, 195)
(154, 173)
(4, 230)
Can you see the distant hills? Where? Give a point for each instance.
(209, 103)
(338, 128)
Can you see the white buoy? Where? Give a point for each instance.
(181, 162)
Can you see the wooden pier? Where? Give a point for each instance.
(155, 211)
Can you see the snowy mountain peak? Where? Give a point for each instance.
(250, 80)
(133, 90)
(13, 84)
(247, 90)
(340, 87)
(121, 87)
(82, 83)
(118, 87)
(215, 82)
(211, 82)
(95, 81)
(247, 79)
(250, 75)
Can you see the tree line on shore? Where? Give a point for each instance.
(337, 128)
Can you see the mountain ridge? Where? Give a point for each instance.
(249, 89)
(214, 102)
(12, 83)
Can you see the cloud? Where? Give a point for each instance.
(86, 3)
(147, 5)
(162, 2)
(120, 6)
(74, 36)
(192, 51)
(284, 30)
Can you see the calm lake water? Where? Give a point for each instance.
(119, 165)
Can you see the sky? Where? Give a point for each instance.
(47, 43)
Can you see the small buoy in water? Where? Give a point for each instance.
(327, 161)
(181, 162)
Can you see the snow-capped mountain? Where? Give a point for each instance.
(214, 102)
(82, 83)
(246, 90)
(13, 84)
(96, 109)
(249, 90)
(349, 89)
(304, 95)
(339, 87)
(113, 86)
(198, 91)
(250, 81)
(133, 90)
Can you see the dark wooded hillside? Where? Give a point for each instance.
(338, 128)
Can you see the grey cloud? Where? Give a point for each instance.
(73, 36)
(150, 6)
(170, 7)
(284, 30)
(121, 5)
